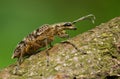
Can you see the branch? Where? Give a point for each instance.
(102, 58)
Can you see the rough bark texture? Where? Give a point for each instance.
(101, 61)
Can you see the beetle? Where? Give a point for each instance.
(43, 36)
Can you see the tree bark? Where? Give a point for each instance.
(98, 58)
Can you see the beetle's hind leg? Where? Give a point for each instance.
(19, 62)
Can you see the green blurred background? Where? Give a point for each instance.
(20, 17)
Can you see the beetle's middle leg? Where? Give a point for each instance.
(47, 53)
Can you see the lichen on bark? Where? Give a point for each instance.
(102, 59)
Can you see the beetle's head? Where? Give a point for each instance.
(61, 28)
(70, 25)
(66, 26)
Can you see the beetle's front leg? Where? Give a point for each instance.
(68, 42)
(63, 34)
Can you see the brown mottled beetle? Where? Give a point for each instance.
(43, 36)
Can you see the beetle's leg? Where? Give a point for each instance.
(16, 68)
(51, 45)
(19, 61)
(68, 42)
(63, 34)
(47, 53)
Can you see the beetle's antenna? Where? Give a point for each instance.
(89, 17)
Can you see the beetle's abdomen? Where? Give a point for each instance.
(34, 41)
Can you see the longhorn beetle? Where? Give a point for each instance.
(43, 36)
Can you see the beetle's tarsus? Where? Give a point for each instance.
(47, 57)
(15, 72)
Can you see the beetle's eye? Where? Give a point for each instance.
(67, 24)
